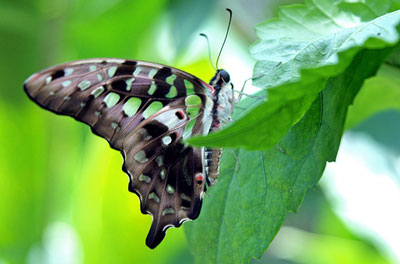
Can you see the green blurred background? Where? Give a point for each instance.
(63, 195)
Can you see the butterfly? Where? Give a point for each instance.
(146, 111)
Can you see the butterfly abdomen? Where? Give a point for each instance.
(212, 164)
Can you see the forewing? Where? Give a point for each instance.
(144, 110)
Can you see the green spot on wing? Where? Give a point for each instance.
(189, 87)
(192, 111)
(172, 92)
(131, 106)
(188, 84)
(189, 128)
(97, 91)
(111, 99)
(152, 73)
(129, 83)
(193, 100)
(171, 79)
(152, 89)
(137, 71)
(83, 85)
(153, 108)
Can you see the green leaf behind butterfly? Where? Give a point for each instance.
(382, 92)
(244, 211)
(300, 128)
(298, 55)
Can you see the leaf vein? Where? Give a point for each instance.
(223, 221)
(315, 139)
(265, 191)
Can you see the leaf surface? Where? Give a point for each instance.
(299, 128)
(297, 55)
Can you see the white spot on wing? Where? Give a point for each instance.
(168, 211)
(185, 197)
(184, 220)
(115, 60)
(167, 226)
(115, 126)
(153, 196)
(66, 83)
(68, 71)
(86, 61)
(144, 178)
(162, 173)
(170, 189)
(111, 71)
(166, 140)
(170, 119)
(160, 161)
(141, 157)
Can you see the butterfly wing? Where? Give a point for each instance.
(144, 110)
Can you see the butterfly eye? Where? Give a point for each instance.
(225, 76)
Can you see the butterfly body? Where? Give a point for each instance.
(223, 101)
(145, 110)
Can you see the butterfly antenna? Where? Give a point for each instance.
(226, 35)
(209, 50)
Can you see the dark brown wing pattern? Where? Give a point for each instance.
(144, 110)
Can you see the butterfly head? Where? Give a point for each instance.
(224, 76)
(221, 80)
(223, 98)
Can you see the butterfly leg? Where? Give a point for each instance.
(280, 149)
(241, 93)
(249, 95)
(237, 161)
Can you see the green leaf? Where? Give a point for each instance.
(382, 92)
(244, 211)
(297, 56)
